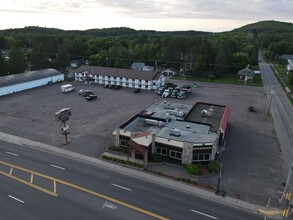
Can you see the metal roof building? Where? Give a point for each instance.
(28, 80)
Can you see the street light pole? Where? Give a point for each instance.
(273, 92)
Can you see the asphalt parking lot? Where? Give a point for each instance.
(250, 156)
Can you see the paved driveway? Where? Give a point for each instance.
(250, 159)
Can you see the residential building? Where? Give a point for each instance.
(137, 66)
(169, 72)
(245, 74)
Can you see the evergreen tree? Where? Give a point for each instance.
(3, 66)
(62, 59)
(17, 63)
(39, 58)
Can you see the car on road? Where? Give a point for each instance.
(117, 87)
(91, 97)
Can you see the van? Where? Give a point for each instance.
(67, 88)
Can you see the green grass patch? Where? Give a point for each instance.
(225, 79)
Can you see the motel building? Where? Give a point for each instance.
(149, 80)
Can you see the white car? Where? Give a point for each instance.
(166, 93)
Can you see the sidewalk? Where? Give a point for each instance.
(169, 170)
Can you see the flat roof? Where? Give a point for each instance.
(189, 132)
(159, 109)
(214, 117)
(14, 79)
(119, 72)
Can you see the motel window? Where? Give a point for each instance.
(175, 154)
(161, 151)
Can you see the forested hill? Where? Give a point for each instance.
(104, 32)
(266, 26)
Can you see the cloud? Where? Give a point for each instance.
(188, 14)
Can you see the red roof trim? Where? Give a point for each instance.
(225, 119)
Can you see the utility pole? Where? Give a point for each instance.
(210, 71)
(287, 185)
(219, 180)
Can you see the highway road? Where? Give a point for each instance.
(281, 112)
(88, 191)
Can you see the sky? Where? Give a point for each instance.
(159, 15)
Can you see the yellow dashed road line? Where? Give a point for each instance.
(54, 180)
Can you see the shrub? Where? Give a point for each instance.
(192, 169)
(213, 166)
(156, 158)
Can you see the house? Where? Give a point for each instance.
(22, 81)
(245, 74)
(169, 72)
(177, 131)
(137, 66)
(117, 76)
(75, 63)
(148, 68)
(289, 59)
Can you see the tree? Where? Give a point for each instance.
(39, 58)
(62, 59)
(223, 60)
(3, 66)
(17, 63)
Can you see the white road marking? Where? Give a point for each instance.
(12, 197)
(13, 154)
(122, 187)
(61, 168)
(109, 205)
(203, 214)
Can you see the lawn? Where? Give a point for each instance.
(226, 79)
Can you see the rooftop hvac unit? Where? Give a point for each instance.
(175, 112)
(204, 113)
(175, 132)
(151, 122)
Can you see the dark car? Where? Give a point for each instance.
(111, 86)
(106, 86)
(182, 95)
(136, 90)
(85, 93)
(161, 90)
(174, 93)
(117, 87)
(91, 97)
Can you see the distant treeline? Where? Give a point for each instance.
(192, 52)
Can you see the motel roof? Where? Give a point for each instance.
(119, 72)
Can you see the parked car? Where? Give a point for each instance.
(182, 94)
(67, 88)
(136, 90)
(85, 93)
(117, 87)
(174, 93)
(91, 97)
(106, 86)
(167, 93)
(111, 86)
(161, 90)
(195, 85)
